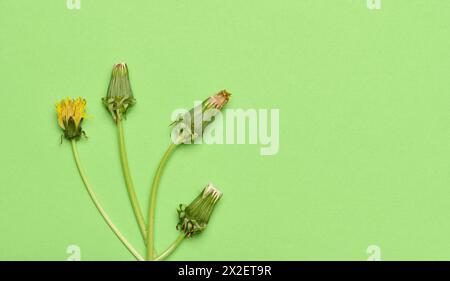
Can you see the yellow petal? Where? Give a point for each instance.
(59, 113)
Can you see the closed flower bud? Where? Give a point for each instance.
(70, 113)
(194, 217)
(120, 97)
(191, 125)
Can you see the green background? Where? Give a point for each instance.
(364, 99)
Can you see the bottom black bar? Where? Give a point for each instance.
(224, 270)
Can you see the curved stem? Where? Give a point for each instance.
(171, 248)
(152, 203)
(129, 182)
(99, 207)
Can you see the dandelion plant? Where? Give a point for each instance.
(118, 100)
(194, 218)
(70, 114)
(188, 128)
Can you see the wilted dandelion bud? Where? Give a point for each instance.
(70, 113)
(195, 216)
(119, 97)
(192, 124)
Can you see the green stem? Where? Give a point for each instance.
(99, 207)
(129, 182)
(171, 248)
(152, 203)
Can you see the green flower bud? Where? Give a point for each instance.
(119, 97)
(191, 125)
(195, 216)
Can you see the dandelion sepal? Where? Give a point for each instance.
(191, 125)
(120, 96)
(194, 218)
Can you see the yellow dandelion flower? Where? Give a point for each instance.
(70, 114)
